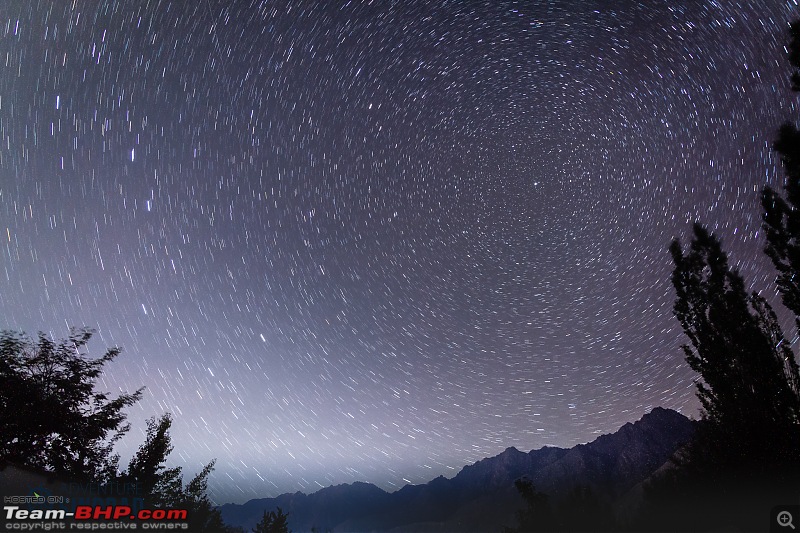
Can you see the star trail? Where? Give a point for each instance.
(377, 241)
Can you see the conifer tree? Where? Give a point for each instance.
(159, 484)
(273, 522)
(163, 487)
(203, 516)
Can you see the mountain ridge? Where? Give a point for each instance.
(482, 495)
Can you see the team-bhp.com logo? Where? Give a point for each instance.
(93, 517)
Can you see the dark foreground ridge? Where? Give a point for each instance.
(482, 496)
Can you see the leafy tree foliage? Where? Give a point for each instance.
(782, 220)
(782, 214)
(750, 388)
(51, 417)
(273, 522)
(745, 454)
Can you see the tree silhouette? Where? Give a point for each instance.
(794, 54)
(537, 515)
(51, 417)
(163, 487)
(273, 522)
(745, 450)
(781, 218)
(203, 516)
(160, 485)
(750, 388)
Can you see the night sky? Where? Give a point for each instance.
(379, 241)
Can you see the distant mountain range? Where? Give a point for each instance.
(482, 496)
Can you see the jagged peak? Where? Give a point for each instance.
(662, 412)
(657, 415)
(660, 415)
(614, 462)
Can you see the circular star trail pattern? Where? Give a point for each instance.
(379, 240)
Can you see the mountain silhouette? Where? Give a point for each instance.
(482, 496)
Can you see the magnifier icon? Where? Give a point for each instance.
(785, 519)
